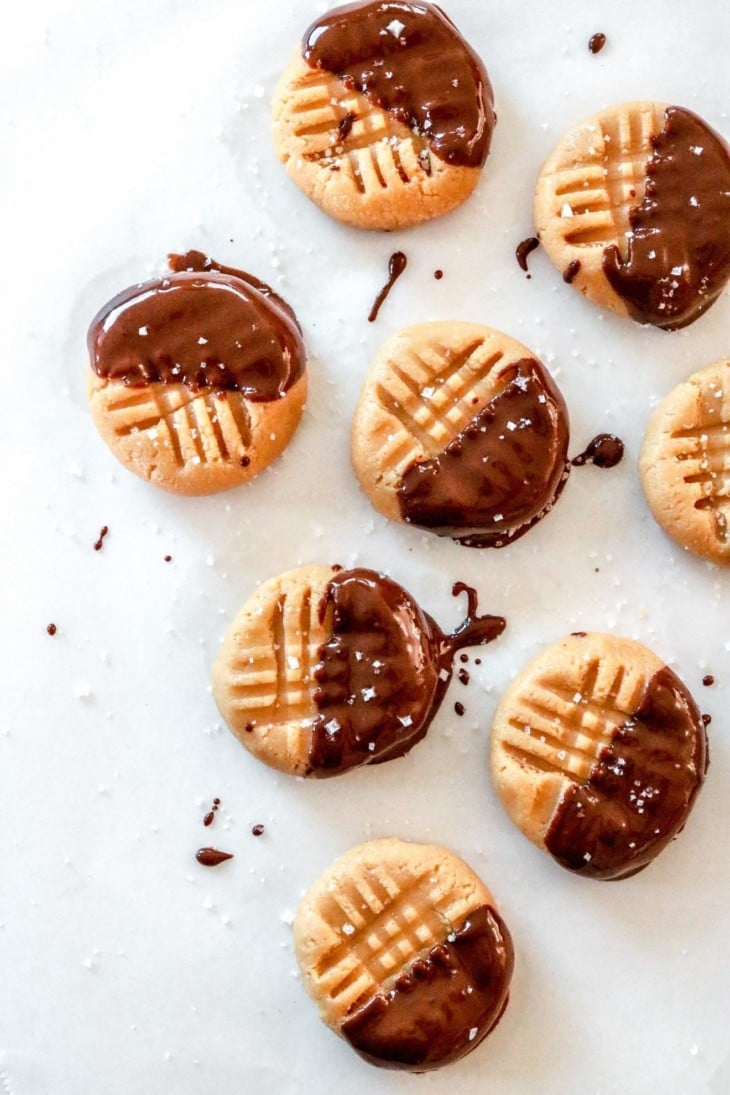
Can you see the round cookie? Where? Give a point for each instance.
(461, 431)
(598, 751)
(685, 463)
(405, 954)
(384, 115)
(326, 669)
(197, 380)
(633, 208)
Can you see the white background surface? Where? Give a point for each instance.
(130, 130)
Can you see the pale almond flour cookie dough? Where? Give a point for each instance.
(197, 380)
(598, 751)
(685, 463)
(326, 669)
(633, 208)
(384, 116)
(461, 431)
(402, 948)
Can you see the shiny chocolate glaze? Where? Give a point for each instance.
(396, 265)
(409, 59)
(502, 473)
(679, 249)
(205, 326)
(383, 670)
(640, 792)
(445, 1002)
(604, 451)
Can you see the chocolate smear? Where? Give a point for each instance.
(571, 271)
(678, 252)
(383, 671)
(99, 544)
(604, 451)
(708, 680)
(396, 265)
(640, 791)
(410, 60)
(206, 326)
(211, 857)
(525, 248)
(502, 473)
(443, 1004)
(51, 629)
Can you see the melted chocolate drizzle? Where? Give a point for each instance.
(99, 544)
(640, 791)
(383, 671)
(205, 326)
(410, 60)
(571, 271)
(502, 473)
(525, 248)
(678, 253)
(604, 451)
(444, 1004)
(396, 265)
(211, 857)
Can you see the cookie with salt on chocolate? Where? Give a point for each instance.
(403, 950)
(633, 208)
(384, 116)
(197, 380)
(598, 752)
(326, 669)
(460, 430)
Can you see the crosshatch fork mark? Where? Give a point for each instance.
(705, 448)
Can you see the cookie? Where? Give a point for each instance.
(633, 208)
(326, 669)
(685, 463)
(385, 114)
(405, 954)
(197, 380)
(598, 751)
(461, 431)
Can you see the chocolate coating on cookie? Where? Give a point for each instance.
(678, 251)
(640, 792)
(410, 60)
(444, 1004)
(383, 670)
(205, 326)
(503, 472)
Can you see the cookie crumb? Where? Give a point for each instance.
(707, 680)
(459, 708)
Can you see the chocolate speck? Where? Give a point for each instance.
(396, 265)
(525, 248)
(463, 675)
(211, 857)
(168, 558)
(257, 830)
(708, 680)
(100, 542)
(51, 629)
(604, 451)
(707, 719)
(459, 708)
(249, 727)
(596, 42)
(438, 274)
(477, 661)
(571, 271)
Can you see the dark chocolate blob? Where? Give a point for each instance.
(51, 629)
(396, 265)
(596, 42)
(641, 790)
(410, 60)
(438, 274)
(678, 253)
(570, 273)
(604, 451)
(525, 248)
(502, 473)
(211, 857)
(444, 1004)
(99, 544)
(459, 708)
(383, 670)
(708, 680)
(205, 326)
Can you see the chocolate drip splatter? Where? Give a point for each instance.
(708, 680)
(383, 671)
(443, 1004)
(205, 326)
(525, 248)
(502, 473)
(571, 271)
(99, 544)
(410, 60)
(640, 791)
(596, 42)
(257, 830)
(211, 857)
(396, 265)
(604, 451)
(678, 252)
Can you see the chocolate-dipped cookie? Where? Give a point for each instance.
(633, 208)
(327, 669)
(598, 752)
(385, 114)
(405, 954)
(197, 380)
(462, 431)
